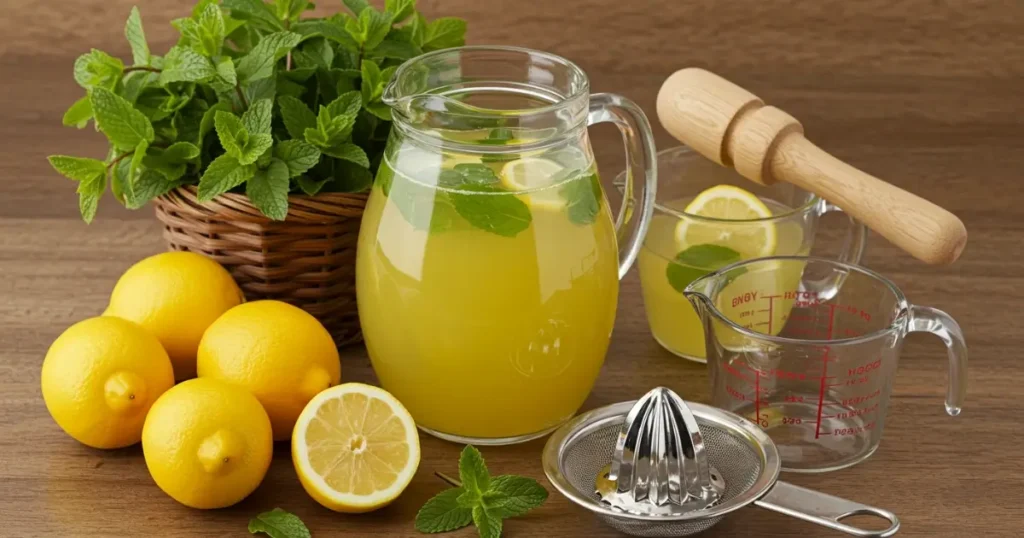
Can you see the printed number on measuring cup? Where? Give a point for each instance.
(865, 368)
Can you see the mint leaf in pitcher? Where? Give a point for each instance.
(491, 209)
(583, 197)
(697, 261)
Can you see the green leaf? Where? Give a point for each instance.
(134, 168)
(211, 29)
(226, 78)
(265, 88)
(396, 50)
(278, 523)
(418, 28)
(123, 125)
(297, 116)
(511, 496)
(77, 168)
(258, 118)
(232, 133)
(349, 177)
(137, 38)
(299, 156)
(379, 110)
(487, 524)
(254, 10)
(492, 210)
(473, 471)
(310, 186)
(79, 114)
(374, 26)
(186, 65)
(444, 33)
(442, 513)
(357, 6)
(372, 85)
(209, 120)
(258, 146)
(583, 197)
(259, 62)
(148, 186)
(98, 69)
(223, 174)
(89, 193)
(329, 30)
(697, 261)
(347, 105)
(181, 152)
(268, 190)
(290, 10)
(400, 9)
(349, 152)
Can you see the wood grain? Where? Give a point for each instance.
(924, 93)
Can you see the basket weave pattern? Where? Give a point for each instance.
(307, 260)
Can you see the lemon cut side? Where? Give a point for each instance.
(534, 173)
(751, 239)
(355, 448)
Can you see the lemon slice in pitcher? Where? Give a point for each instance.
(355, 448)
(725, 202)
(534, 173)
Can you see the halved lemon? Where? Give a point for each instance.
(355, 448)
(726, 202)
(534, 173)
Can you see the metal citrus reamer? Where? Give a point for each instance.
(664, 467)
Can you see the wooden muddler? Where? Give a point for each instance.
(733, 127)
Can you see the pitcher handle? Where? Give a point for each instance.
(851, 252)
(939, 323)
(641, 155)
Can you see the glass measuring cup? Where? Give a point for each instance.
(488, 264)
(814, 369)
(676, 236)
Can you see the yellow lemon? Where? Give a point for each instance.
(207, 443)
(355, 448)
(726, 202)
(175, 296)
(100, 378)
(277, 351)
(533, 174)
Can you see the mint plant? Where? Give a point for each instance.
(253, 98)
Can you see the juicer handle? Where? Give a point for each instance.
(734, 128)
(939, 323)
(641, 157)
(825, 510)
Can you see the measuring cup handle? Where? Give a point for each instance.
(856, 235)
(641, 157)
(939, 323)
(825, 510)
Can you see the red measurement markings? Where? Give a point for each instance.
(794, 399)
(854, 400)
(864, 368)
(824, 372)
(851, 431)
(734, 372)
(737, 395)
(748, 297)
(852, 381)
(854, 412)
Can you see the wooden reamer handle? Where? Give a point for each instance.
(733, 127)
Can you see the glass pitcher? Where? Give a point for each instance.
(488, 259)
(814, 368)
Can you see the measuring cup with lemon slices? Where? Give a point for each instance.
(706, 217)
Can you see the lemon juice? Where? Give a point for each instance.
(487, 287)
(681, 246)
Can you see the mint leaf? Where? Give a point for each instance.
(223, 174)
(232, 133)
(299, 156)
(186, 65)
(380, 110)
(473, 471)
(349, 152)
(180, 152)
(476, 174)
(374, 26)
(442, 513)
(209, 120)
(137, 38)
(77, 168)
(583, 197)
(257, 119)
(297, 116)
(310, 186)
(400, 9)
(329, 30)
(487, 524)
(372, 85)
(357, 6)
(226, 78)
(346, 105)
(491, 209)
(418, 30)
(511, 496)
(444, 33)
(256, 149)
(254, 10)
(697, 261)
(148, 186)
(98, 69)
(278, 523)
(133, 168)
(265, 88)
(79, 114)
(349, 177)
(259, 62)
(268, 190)
(396, 50)
(123, 125)
(290, 10)
(89, 192)
(211, 29)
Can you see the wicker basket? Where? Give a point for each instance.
(307, 260)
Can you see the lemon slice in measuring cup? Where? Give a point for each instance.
(725, 202)
(532, 173)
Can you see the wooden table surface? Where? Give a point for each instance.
(927, 94)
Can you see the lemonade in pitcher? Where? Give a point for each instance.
(488, 261)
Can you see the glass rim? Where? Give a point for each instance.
(813, 199)
(898, 322)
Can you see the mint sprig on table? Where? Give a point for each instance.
(278, 523)
(480, 500)
(252, 98)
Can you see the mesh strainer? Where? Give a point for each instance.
(678, 467)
